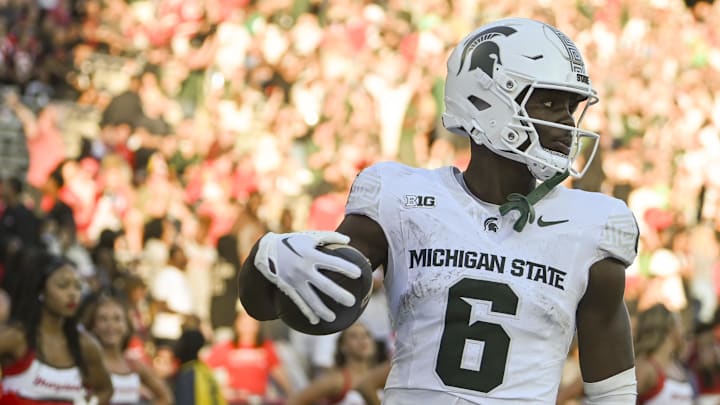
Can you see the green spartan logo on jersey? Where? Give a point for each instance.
(490, 224)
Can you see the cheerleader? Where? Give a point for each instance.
(46, 358)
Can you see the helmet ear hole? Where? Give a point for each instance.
(479, 103)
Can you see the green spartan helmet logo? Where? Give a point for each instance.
(480, 48)
(490, 224)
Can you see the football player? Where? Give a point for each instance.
(489, 271)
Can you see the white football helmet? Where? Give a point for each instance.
(491, 67)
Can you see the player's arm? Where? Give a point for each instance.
(604, 336)
(289, 262)
(366, 236)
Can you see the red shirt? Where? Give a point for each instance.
(326, 212)
(248, 368)
(46, 150)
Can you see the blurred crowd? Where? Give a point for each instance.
(151, 142)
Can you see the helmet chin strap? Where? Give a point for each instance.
(524, 204)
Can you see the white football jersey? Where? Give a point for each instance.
(479, 310)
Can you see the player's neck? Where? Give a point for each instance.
(491, 177)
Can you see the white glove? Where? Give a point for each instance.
(291, 262)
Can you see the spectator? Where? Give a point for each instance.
(107, 319)
(138, 302)
(370, 387)
(4, 316)
(224, 284)
(246, 364)
(249, 227)
(43, 333)
(159, 228)
(704, 362)
(172, 295)
(114, 135)
(115, 196)
(44, 139)
(328, 209)
(4, 307)
(72, 248)
(126, 107)
(107, 268)
(16, 219)
(201, 254)
(354, 357)
(54, 191)
(316, 352)
(662, 377)
(194, 383)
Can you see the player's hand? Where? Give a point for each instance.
(291, 262)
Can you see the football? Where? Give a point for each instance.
(360, 287)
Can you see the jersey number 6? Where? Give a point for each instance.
(465, 336)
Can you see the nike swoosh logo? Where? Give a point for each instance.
(536, 57)
(542, 223)
(286, 243)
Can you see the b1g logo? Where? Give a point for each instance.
(419, 201)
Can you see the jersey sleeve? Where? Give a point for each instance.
(364, 195)
(620, 234)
